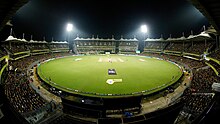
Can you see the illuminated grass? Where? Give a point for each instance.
(88, 74)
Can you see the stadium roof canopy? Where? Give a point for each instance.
(211, 10)
(202, 36)
(7, 9)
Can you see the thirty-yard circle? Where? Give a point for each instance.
(109, 75)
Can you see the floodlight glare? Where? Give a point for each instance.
(144, 28)
(69, 27)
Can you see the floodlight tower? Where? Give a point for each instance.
(69, 28)
(144, 30)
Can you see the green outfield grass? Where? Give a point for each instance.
(88, 74)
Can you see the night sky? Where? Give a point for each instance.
(48, 18)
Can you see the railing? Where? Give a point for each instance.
(4, 58)
(216, 72)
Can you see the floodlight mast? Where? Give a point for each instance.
(144, 30)
(69, 28)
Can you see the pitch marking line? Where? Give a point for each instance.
(142, 60)
(78, 59)
(120, 60)
(100, 60)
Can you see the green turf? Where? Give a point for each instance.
(91, 73)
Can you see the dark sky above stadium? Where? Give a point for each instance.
(48, 18)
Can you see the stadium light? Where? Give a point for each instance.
(69, 27)
(144, 28)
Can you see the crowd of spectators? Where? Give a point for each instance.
(203, 80)
(16, 47)
(3, 52)
(198, 96)
(215, 55)
(186, 61)
(20, 94)
(175, 46)
(38, 46)
(198, 47)
(215, 65)
(58, 46)
(155, 45)
(17, 88)
(196, 103)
